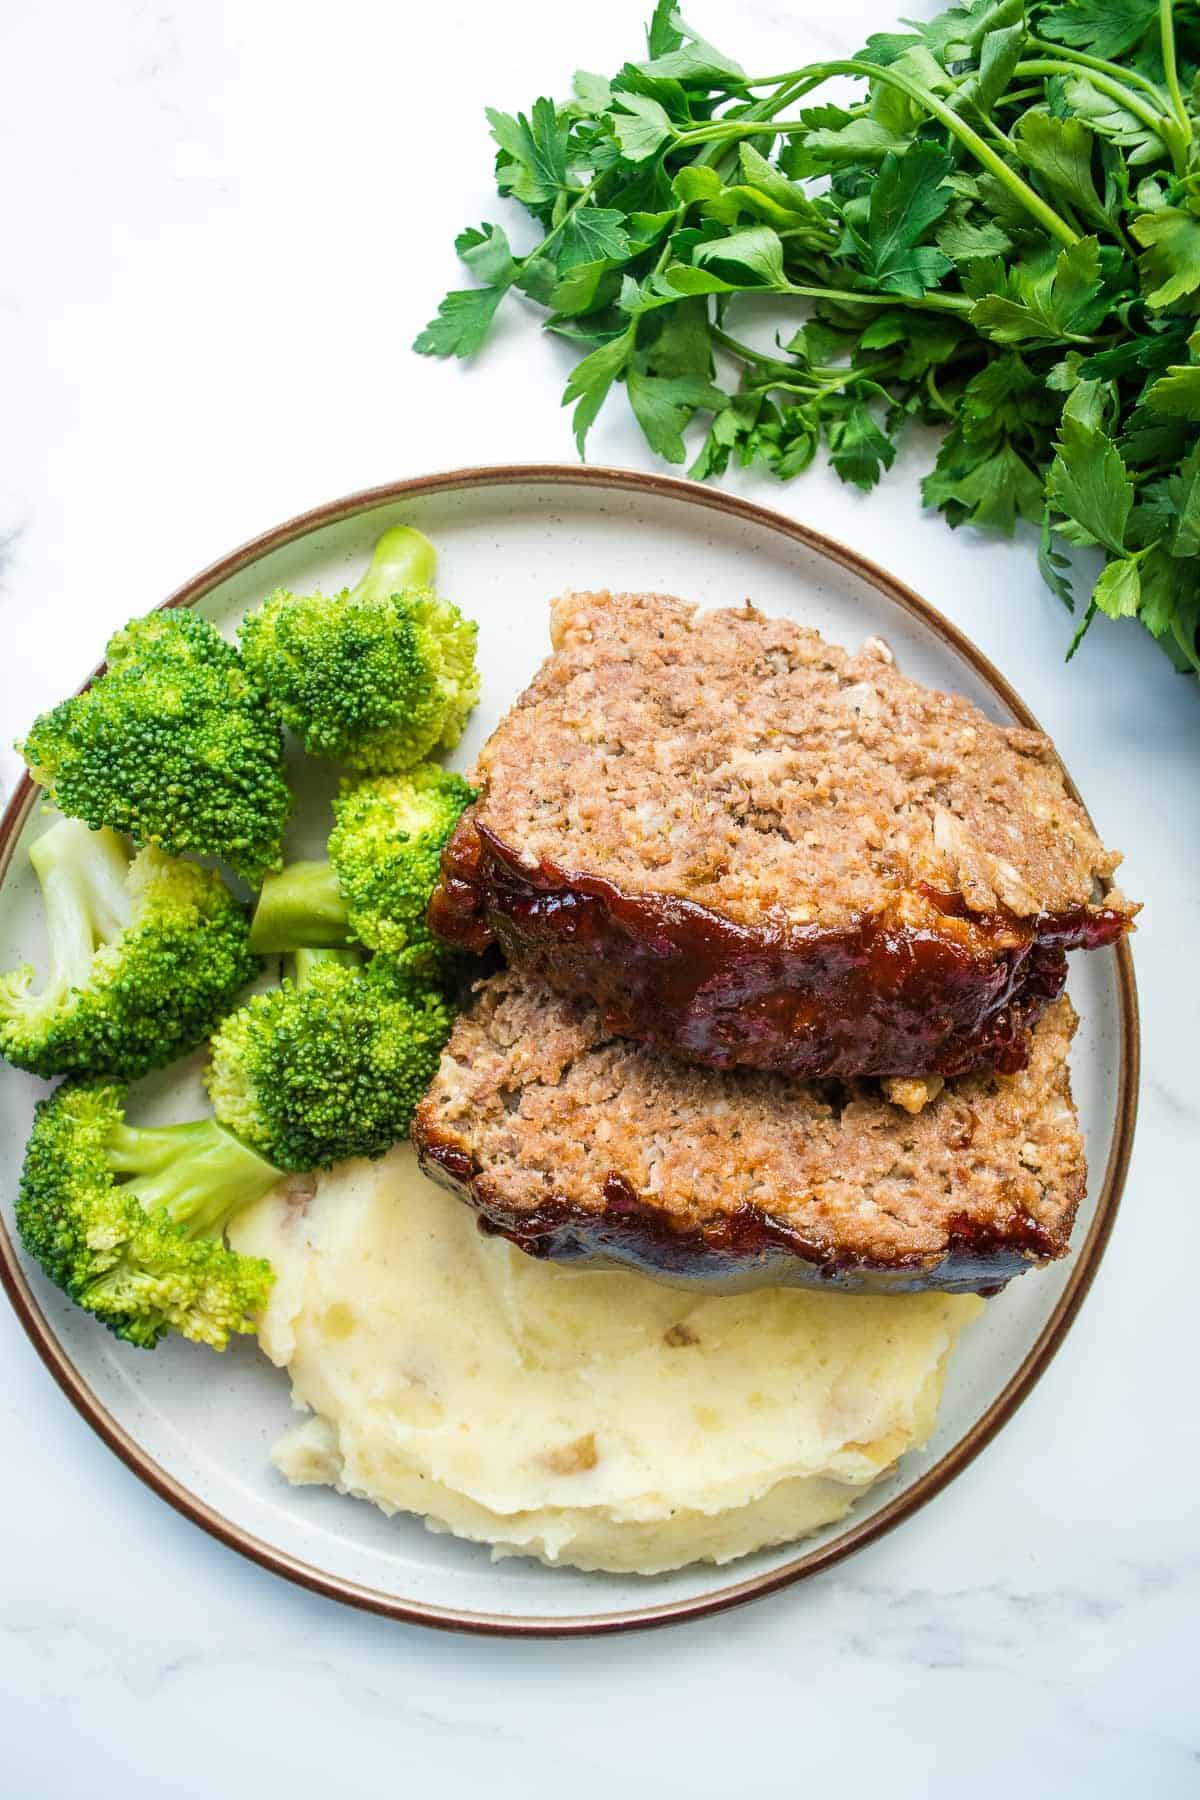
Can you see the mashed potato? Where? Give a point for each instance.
(597, 1419)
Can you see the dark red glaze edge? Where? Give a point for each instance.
(876, 998)
(739, 1251)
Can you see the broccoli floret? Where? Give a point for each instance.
(330, 1064)
(383, 864)
(146, 955)
(386, 847)
(128, 1222)
(174, 744)
(376, 676)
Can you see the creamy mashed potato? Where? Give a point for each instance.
(583, 1417)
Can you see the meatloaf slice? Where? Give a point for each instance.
(750, 847)
(581, 1146)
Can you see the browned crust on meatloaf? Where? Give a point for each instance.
(750, 847)
(580, 1146)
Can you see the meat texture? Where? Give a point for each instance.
(581, 1146)
(751, 848)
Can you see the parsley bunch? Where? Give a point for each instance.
(1000, 235)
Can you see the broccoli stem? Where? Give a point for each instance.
(199, 1174)
(82, 874)
(403, 558)
(301, 908)
(305, 962)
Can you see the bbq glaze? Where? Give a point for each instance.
(880, 997)
(738, 1252)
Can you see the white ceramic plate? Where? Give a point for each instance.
(198, 1429)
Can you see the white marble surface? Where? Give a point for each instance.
(223, 224)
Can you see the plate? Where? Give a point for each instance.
(197, 1428)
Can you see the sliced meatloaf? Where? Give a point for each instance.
(751, 847)
(581, 1146)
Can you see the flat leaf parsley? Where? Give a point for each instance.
(1000, 236)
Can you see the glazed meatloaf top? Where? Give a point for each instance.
(579, 1145)
(743, 763)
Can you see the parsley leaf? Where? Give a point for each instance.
(999, 54)
(858, 449)
(963, 239)
(463, 321)
(1177, 392)
(994, 491)
(641, 126)
(590, 380)
(585, 287)
(1088, 480)
(464, 317)
(664, 33)
(1109, 119)
(664, 404)
(677, 53)
(532, 163)
(1184, 490)
(1171, 266)
(1041, 299)
(1106, 28)
(839, 141)
(592, 234)
(1055, 568)
(905, 201)
(757, 250)
(1060, 151)
(1118, 593)
(487, 255)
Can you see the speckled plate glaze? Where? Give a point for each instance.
(198, 1429)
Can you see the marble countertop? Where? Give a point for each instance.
(224, 224)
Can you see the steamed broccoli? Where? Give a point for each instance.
(128, 1222)
(330, 1064)
(383, 864)
(174, 744)
(376, 676)
(145, 956)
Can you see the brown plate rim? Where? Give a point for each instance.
(811, 1562)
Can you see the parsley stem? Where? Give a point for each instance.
(665, 254)
(1000, 135)
(1116, 90)
(749, 81)
(980, 149)
(736, 347)
(781, 375)
(825, 381)
(1018, 95)
(746, 353)
(949, 303)
(758, 109)
(1166, 25)
(1061, 51)
(1132, 77)
(814, 391)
